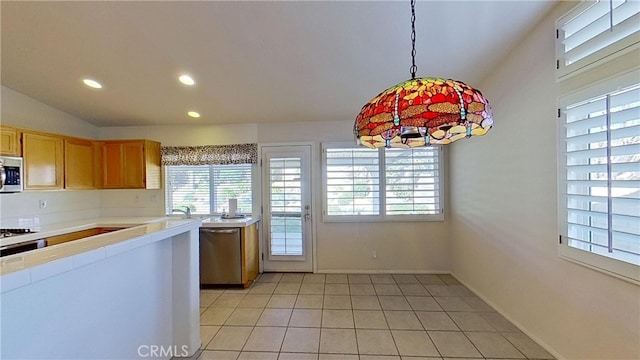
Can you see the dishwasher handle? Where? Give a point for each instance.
(220, 231)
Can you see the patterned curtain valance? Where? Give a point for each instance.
(210, 154)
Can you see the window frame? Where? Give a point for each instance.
(212, 193)
(614, 267)
(382, 216)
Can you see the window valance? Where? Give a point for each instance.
(210, 154)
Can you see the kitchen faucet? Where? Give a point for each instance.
(187, 214)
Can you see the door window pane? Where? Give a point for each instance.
(285, 191)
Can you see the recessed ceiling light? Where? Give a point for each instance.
(92, 83)
(187, 80)
(193, 114)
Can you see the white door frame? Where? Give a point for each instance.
(314, 167)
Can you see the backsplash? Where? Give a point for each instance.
(128, 203)
(34, 208)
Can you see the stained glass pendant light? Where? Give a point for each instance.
(423, 111)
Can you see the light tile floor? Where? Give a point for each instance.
(356, 317)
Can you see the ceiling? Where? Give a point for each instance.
(253, 62)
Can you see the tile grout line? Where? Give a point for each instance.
(389, 325)
(404, 295)
(421, 324)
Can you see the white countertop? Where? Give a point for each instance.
(134, 228)
(45, 231)
(217, 222)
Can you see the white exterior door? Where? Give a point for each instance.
(287, 222)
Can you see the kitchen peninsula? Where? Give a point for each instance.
(115, 295)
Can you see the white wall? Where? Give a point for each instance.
(400, 247)
(504, 220)
(346, 247)
(131, 202)
(23, 210)
(306, 131)
(25, 112)
(186, 135)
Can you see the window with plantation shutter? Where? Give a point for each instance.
(231, 182)
(352, 182)
(595, 30)
(188, 186)
(600, 181)
(362, 184)
(411, 181)
(206, 189)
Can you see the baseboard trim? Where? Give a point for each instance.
(382, 271)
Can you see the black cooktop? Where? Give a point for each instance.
(14, 231)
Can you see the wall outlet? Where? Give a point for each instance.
(374, 254)
(42, 204)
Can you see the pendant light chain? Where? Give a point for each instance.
(408, 116)
(414, 68)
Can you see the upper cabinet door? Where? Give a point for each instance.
(133, 165)
(112, 160)
(152, 165)
(130, 164)
(43, 161)
(79, 164)
(10, 141)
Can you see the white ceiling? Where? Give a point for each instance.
(252, 61)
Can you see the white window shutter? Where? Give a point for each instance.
(393, 184)
(352, 178)
(188, 186)
(601, 185)
(595, 31)
(412, 185)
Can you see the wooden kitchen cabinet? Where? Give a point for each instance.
(79, 164)
(43, 161)
(130, 164)
(250, 254)
(10, 141)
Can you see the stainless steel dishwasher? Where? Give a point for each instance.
(220, 256)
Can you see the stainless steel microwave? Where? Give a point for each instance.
(10, 174)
